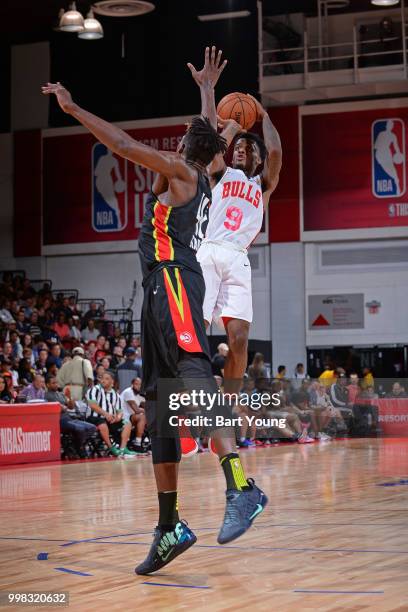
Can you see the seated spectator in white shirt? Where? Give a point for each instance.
(133, 410)
(90, 332)
(5, 314)
(74, 325)
(397, 391)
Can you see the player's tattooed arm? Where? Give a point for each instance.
(207, 79)
(119, 141)
(273, 161)
(230, 128)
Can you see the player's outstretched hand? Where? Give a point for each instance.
(212, 69)
(230, 124)
(63, 96)
(260, 109)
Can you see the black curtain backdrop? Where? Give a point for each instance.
(152, 80)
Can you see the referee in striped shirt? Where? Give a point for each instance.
(107, 415)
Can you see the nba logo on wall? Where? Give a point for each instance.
(388, 158)
(109, 190)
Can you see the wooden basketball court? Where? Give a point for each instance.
(334, 536)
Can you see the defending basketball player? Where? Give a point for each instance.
(240, 194)
(174, 339)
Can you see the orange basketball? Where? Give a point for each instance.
(240, 107)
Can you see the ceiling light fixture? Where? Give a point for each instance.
(384, 2)
(123, 8)
(92, 28)
(230, 15)
(72, 20)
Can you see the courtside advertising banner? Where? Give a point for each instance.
(29, 433)
(354, 173)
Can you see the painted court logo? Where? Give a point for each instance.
(109, 190)
(388, 158)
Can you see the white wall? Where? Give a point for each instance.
(386, 282)
(30, 68)
(288, 305)
(109, 276)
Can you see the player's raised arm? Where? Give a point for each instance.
(116, 139)
(273, 161)
(230, 128)
(207, 79)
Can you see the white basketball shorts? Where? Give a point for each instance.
(227, 276)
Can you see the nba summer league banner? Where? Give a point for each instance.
(355, 170)
(100, 195)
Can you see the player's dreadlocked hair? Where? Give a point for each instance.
(253, 138)
(202, 142)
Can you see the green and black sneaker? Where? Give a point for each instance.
(167, 545)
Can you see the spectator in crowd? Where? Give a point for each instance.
(5, 395)
(257, 368)
(369, 393)
(101, 350)
(7, 350)
(76, 375)
(368, 378)
(133, 410)
(338, 392)
(28, 354)
(80, 430)
(63, 308)
(16, 348)
(300, 372)
(27, 341)
(26, 372)
(35, 391)
(328, 375)
(107, 415)
(106, 362)
(324, 410)
(34, 328)
(99, 371)
(90, 332)
(5, 314)
(41, 363)
(21, 325)
(117, 358)
(281, 372)
(61, 327)
(339, 396)
(353, 388)
(94, 312)
(91, 352)
(74, 328)
(300, 407)
(218, 361)
(55, 356)
(397, 390)
(127, 371)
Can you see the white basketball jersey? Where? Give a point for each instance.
(236, 211)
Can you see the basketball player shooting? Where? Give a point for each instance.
(240, 195)
(174, 340)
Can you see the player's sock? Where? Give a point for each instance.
(138, 441)
(168, 510)
(234, 472)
